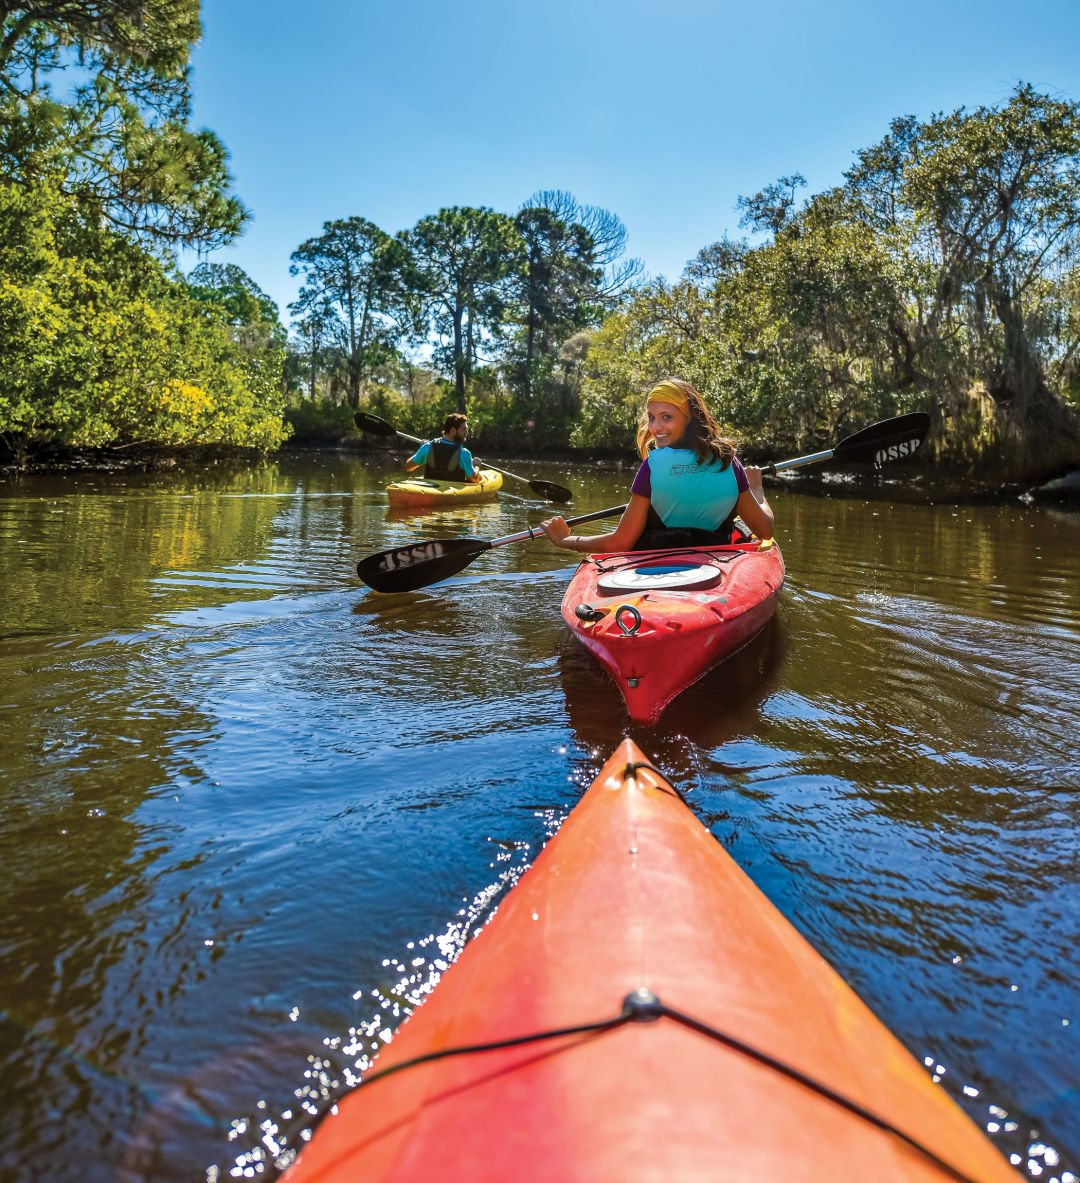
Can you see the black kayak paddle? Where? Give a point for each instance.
(546, 489)
(891, 439)
(409, 568)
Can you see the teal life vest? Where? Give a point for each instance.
(689, 494)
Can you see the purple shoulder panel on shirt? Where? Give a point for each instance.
(740, 475)
(642, 485)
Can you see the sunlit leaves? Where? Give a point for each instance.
(99, 347)
(96, 95)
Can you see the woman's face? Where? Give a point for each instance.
(667, 423)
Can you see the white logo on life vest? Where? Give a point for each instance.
(895, 452)
(683, 469)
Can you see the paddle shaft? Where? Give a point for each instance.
(813, 458)
(891, 439)
(536, 531)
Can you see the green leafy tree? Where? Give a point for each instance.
(556, 287)
(1062, 332)
(319, 333)
(790, 342)
(100, 347)
(95, 95)
(719, 260)
(361, 272)
(619, 273)
(657, 329)
(463, 258)
(993, 196)
(156, 34)
(941, 276)
(247, 309)
(770, 208)
(815, 320)
(573, 269)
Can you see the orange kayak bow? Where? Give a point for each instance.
(738, 1053)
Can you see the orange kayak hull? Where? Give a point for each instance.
(634, 892)
(656, 634)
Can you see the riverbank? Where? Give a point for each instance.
(144, 458)
(915, 481)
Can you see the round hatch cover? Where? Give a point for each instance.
(657, 575)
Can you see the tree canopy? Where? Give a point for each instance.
(504, 305)
(100, 347)
(103, 343)
(95, 95)
(355, 288)
(941, 276)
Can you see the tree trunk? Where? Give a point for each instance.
(530, 336)
(356, 362)
(1043, 431)
(470, 344)
(459, 359)
(354, 376)
(530, 346)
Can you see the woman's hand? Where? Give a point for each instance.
(752, 506)
(556, 529)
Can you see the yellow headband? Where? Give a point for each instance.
(669, 392)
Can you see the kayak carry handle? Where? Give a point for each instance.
(631, 630)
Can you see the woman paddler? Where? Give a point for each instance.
(689, 487)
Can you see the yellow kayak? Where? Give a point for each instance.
(418, 492)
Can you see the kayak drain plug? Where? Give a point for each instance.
(642, 1005)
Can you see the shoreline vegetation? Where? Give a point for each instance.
(909, 481)
(942, 276)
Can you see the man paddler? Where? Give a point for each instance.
(447, 459)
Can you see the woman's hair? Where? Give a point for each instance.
(702, 434)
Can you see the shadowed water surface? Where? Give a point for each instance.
(249, 810)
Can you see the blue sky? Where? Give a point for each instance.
(664, 114)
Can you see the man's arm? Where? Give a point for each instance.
(418, 458)
(468, 466)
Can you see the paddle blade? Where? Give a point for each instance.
(420, 564)
(551, 492)
(372, 424)
(891, 439)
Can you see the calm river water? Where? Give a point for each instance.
(249, 809)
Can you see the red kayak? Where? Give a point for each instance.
(638, 1012)
(658, 620)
